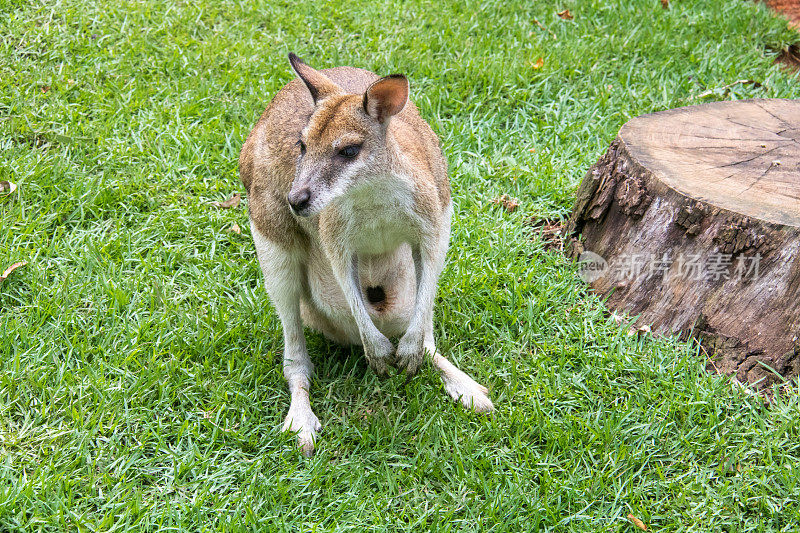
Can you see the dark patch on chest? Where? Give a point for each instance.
(376, 296)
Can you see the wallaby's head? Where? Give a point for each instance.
(344, 144)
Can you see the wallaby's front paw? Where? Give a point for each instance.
(306, 424)
(379, 354)
(410, 353)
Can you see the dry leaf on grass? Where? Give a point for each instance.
(636, 522)
(550, 231)
(665, 4)
(235, 229)
(7, 272)
(233, 201)
(535, 21)
(641, 330)
(566, 15)
(6, 188)
(539, 63)
(509, 204)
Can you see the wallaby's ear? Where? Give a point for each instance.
(386, 97)
(319, 85)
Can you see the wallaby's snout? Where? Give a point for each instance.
(300, 200)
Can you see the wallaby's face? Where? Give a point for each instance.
(339, 149)
(344, 144)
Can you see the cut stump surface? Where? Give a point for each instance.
(695, 214)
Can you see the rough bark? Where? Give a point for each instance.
(697, 212)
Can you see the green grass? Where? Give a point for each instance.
(140, 377)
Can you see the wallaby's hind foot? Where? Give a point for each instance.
(301, 419)
(463, 388)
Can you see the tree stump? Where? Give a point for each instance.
(694, 217)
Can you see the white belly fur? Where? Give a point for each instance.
(393, 272)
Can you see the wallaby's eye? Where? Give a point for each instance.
(351, 151)
(302, 146)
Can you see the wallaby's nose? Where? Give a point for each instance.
(299, 200)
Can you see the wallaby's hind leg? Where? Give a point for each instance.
(457, 383)
(283, 280)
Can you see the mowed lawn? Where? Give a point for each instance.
(141, 386)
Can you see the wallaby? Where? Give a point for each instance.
(350, 213)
